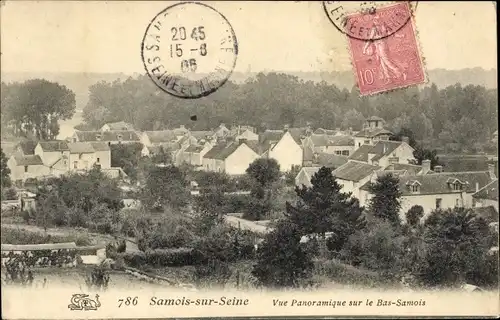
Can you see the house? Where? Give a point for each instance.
(284, 146)
(411, 169)
(335, 144)
(110, 137)
(222, 131)
(52, 151)
(26, 167)
(117, 126)
(372, 132)
(232, 158)
(486, 196)
(244, 132)
(329, 160)
(384, 153)
(203, 135)
(156, 138)
(353, 175)
(86, 155)
(194, 154)
(304, 176)
(444, 190)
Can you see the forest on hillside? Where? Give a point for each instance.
(453, 119)
(456, 118)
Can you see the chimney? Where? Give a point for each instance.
(426, 165)
(491, 170)
(405, 139)
(438, 169)
(384, 149)
(285, 127)
(477, 186)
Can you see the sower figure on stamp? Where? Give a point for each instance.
(380, 49)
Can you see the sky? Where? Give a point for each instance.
(99, 36)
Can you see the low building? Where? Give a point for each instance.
(194, 154)
(444, 190)
(232, 158)
(384, 153)
(26, 167)
(110, 137)
(305, 175)
(487, 196)
(334, 144)
(353, 175)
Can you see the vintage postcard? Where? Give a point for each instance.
(319, 159)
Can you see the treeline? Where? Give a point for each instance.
(456, 118)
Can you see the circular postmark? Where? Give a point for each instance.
(189, 50)
(369, 20)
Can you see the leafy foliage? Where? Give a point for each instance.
(33, 108)
(414, 215)
(265, 171)
(127, 157)
(4, 171)
(165, 186)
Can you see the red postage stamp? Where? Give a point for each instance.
(385, 62)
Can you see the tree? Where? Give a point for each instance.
(281, 262)
(405, 132)
(265, 171)
(165, 186)
(420, 154)
(414, 214)
(127, 157)
(164, 156)
(4, 171)
(456, 241)
(34, 107)
(386, 200)
(324, 208)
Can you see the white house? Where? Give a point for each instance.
(384, 153)
(433, 191)
(23, 167)
(353, 175)
(283, 147)
(232, 158)
(334, 144)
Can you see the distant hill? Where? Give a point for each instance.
(80, 82)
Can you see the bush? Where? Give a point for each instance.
(23, 236)
(163, 258)
(9, 194)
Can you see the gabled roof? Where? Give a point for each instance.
(269, 137)
(194, 148)
(374, 118)
(380, 149)
(202, 134)
(27, 147)
(161, 136)
(354, 171)
(80, 147)
(100, 146)
(330, 160)
(412, 169)
(372, 132)
(28, 160)
(438, 183)
(489, 191)
(324, 140)
(54, 146)
(222, 151)
(311, 170)
(87, 136)
(308, 154)
(120, 126)
(325, 131)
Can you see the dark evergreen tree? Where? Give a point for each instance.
(281, 262)
(386, 200)
(4, 171)
(323, 208)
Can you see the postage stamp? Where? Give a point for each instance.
(385, 63)
(341, 13)
(189, 50)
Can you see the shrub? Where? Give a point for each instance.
(163, 258)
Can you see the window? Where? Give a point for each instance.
(438, 203)
(457, 186)
(345, 153)
(359, 144)
(75, 164)
(338, 152)
(457, 203)
(474, 203)
(367, 141)
(98, 160)
(415, 188)
(25, 168)
(80, 156)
